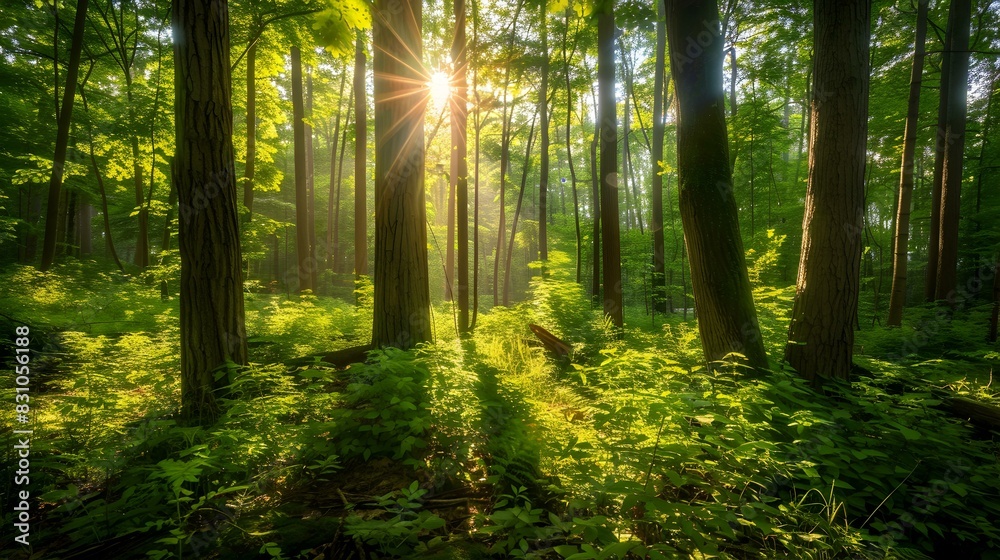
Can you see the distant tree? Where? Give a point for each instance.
(727, 319)
(902, 235)
(52, 215)
(402, 295)
(824, 315)
(204, 173)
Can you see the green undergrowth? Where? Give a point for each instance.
(491, 447)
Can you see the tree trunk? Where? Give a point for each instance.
(478, 124)
(611, 252)
(310, 183)
(62, 138)
(954, 151)
(504, 163)
(595, 197)
(543, 109)
(109, 239)
(402, 296)
(727, 319)
(517, 213)
(360, 160)
(305, 264)
(333, 213)
(460, 164)
(248, 170)
(569, 150)
(897, 299)
(933, 246)
(204, 172)
(338, 254)
(821, 334)
(659, 269)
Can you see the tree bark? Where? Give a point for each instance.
(821, 334)
(360, 160)
(310, 183)
(954, 151)
(610, 235)
(459, 162)
(569, 150)
(338, 254)
(659, 269)
(933, 246)
(595, 197)
(108, 238)
(333, 210)
(897, 298)
(204, 172)
(727, 319)
(305, 263)
(402, 296)
(62, 138)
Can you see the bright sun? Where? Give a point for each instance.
(440, 88)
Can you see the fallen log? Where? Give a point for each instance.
(338, 358)
(976, 412)
(551, 342)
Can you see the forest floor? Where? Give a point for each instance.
(491, 446)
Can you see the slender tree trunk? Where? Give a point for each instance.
(475, 203)
(460, 164)
(85, 232)
(954, 152)
(204, 172)
(821, 334)
(332, 213)
(108, 238)
(543, 109)
(897, 299)
(402, 296)
(659, 85)
(449, 260)
(610, 239)
(338, 254)
(360, 160)
(310, 183)
(305, 263)
(727, 319)
(569, 150)
(248, 171)
(595, 197)
(62, 138)
(517, 213)
(504, 163)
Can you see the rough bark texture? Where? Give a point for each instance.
(62, 138)
(897, 299)
(659, 269)
(305, 263)
(459, 161)
(727, 319)
(360, 159)
(402, 297)
(204, 173)
(610, 235)
(821, 335)
(954, 150)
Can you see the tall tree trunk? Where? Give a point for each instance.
(504, 163)
(332, 213)
(204, 172)
(727, 319)
(449, 260)
(310, 182)
(360, 160)
(543, 109)
(62, 138)
(305, 263)
(897, 299)
(85, 237)
(659, 83)
(338, 253)
(610, 239)
(821, 334)
(954, 151)
(402, 296)
(933, 246)
(595, 197)
(248, 170)
(141, 257)
(460, 164)
(569, 150)
(475, 202)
